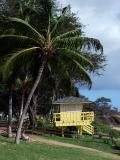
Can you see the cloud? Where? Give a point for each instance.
(102, 20)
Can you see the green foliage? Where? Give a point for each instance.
(42, 122)
(68, 39)
(101, 128)
(114, 133)
(45, 48)
(19, 57)
(117, 143)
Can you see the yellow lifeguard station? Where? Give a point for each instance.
(68, 112)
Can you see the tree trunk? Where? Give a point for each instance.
(32, 111)
(22, 104)
(32, 117)
(37, 81)
(10, 116)
(35, 105)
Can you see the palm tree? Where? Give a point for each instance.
(67, 47)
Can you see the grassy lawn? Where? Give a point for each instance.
(38, 151)
(86, 141)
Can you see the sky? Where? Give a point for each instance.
(102, 21)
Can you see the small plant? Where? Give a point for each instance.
(114, 133)
(117, 143)
(42, 122)
(100, 128)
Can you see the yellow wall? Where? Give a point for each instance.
(71, 107)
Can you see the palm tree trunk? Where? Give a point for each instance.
(10, 116)
(22, 104)
(37, 81)
(31, 117)
(32, 111)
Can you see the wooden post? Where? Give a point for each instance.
(81, 129)
(79, 132)
(62, 131)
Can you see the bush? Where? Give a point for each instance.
(114, 133)
(42, 122)
(101, 128)
(117, 143)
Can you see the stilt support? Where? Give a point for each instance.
(80, 129)
(62, 131)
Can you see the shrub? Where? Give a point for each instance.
(42, 122)
(117, 143)
(101, 128)
(114, 133)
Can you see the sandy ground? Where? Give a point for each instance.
(116, 128)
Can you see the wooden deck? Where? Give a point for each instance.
(78, 119)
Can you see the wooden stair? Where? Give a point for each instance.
(89, 129)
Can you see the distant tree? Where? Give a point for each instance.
(103, 102)
(103, 106)
(115, 109)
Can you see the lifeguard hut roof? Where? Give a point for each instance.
(72, 100)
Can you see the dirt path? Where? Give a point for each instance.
(54, 142)
(57, 143)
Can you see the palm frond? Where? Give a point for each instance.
(59, 22)
(16, 58)
(68, 34)
(75, 55)
(20, 22)
(83, 43)
(49, 67)
(83, 74)
(11, 42)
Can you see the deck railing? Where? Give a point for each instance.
(73, 118)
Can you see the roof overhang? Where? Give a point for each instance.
(54, 103)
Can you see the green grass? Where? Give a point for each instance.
(86, 141)
(38, 151)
